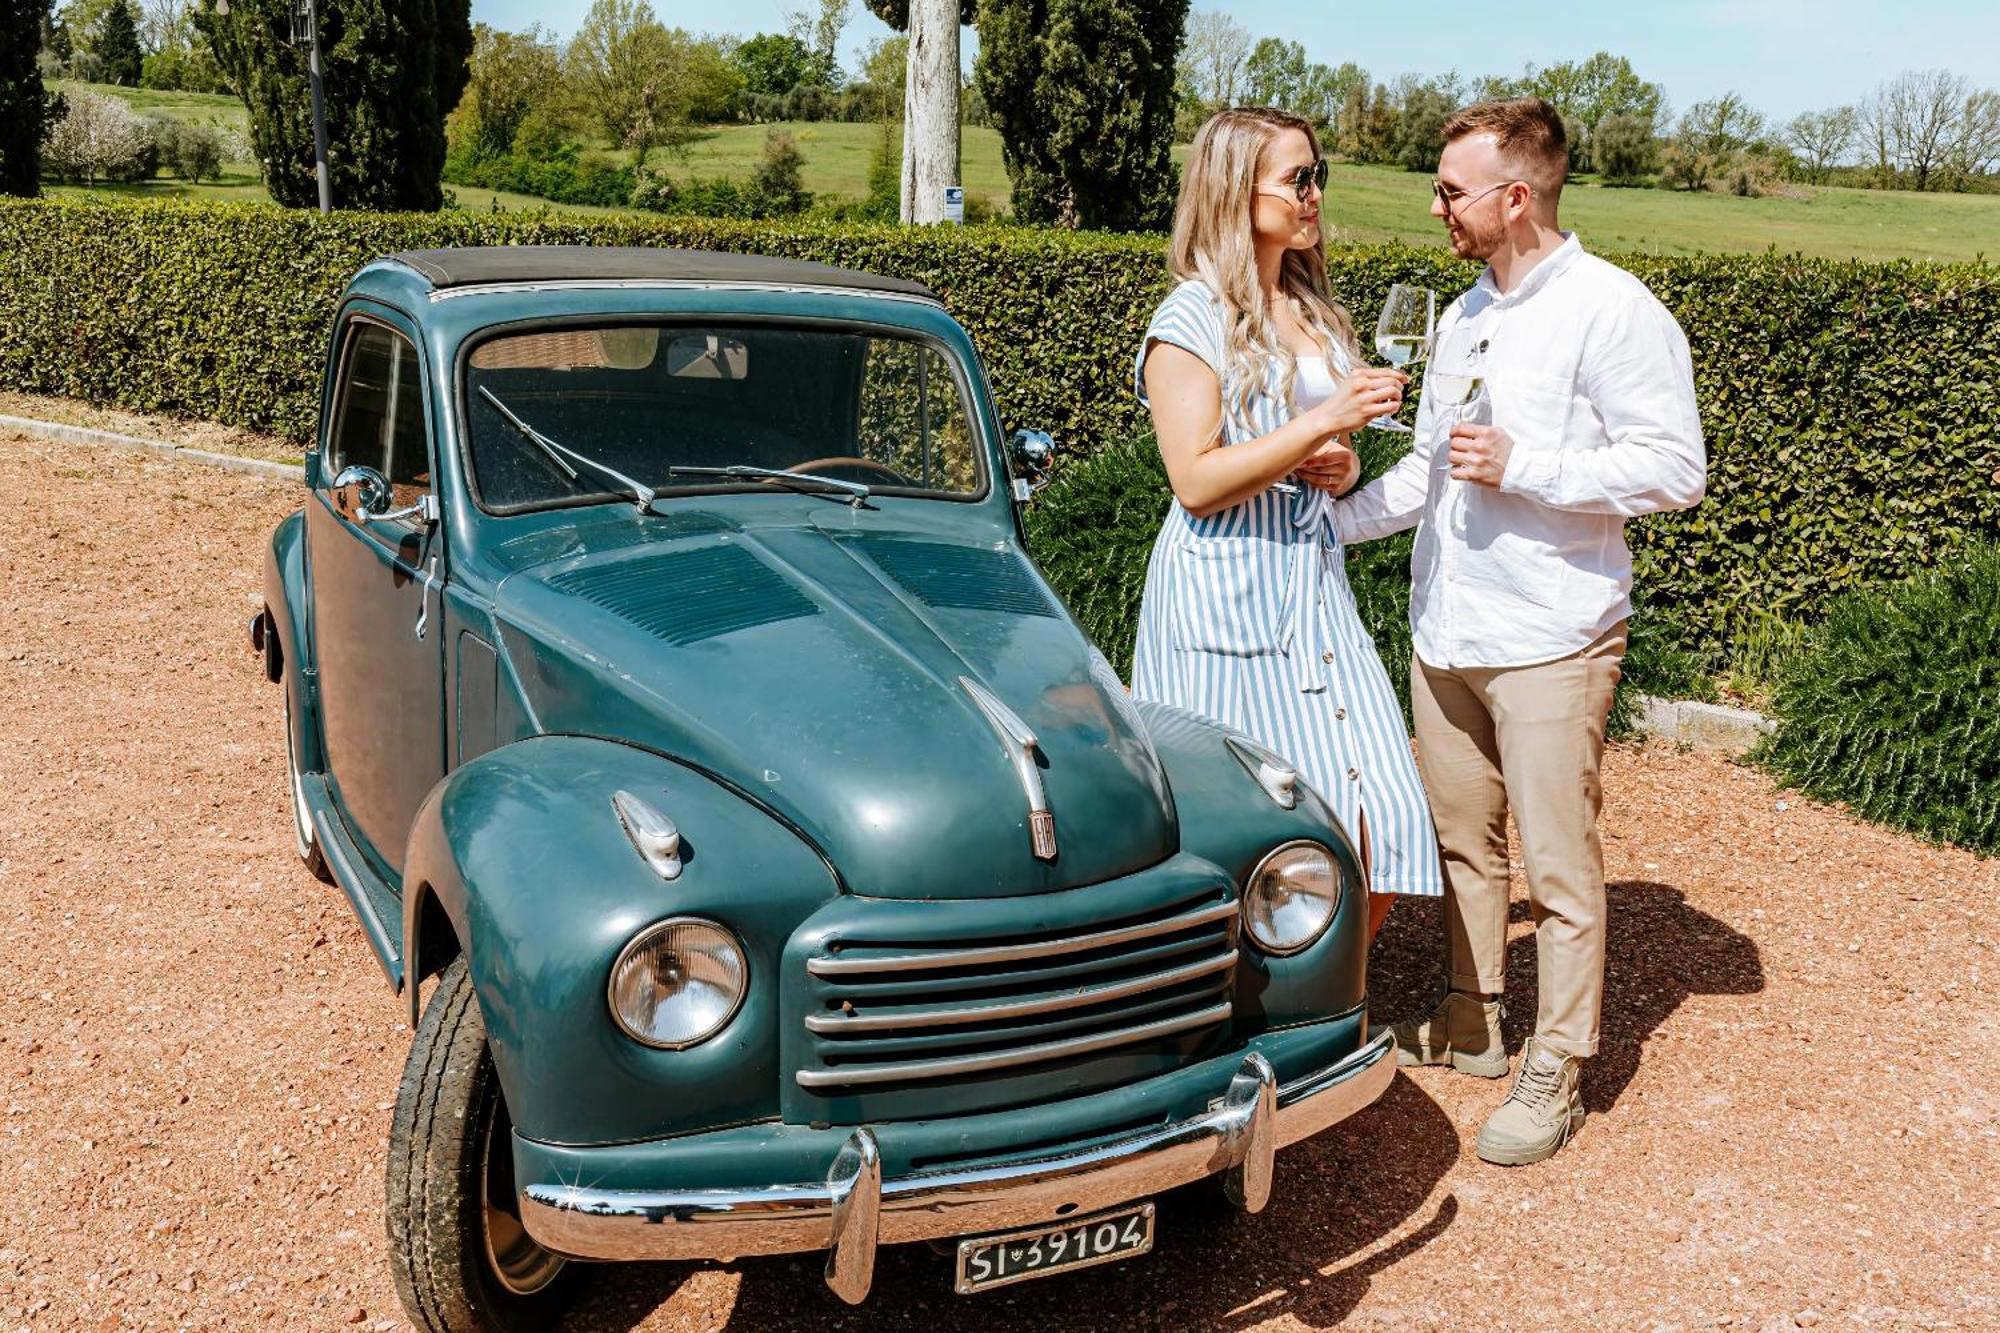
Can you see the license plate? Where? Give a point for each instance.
(985, 1262)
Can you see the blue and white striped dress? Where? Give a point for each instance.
(1248, 620)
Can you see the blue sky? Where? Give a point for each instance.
(1784, 56)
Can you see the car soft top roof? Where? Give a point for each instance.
(488, 265)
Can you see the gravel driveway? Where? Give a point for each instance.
(1795, 1119)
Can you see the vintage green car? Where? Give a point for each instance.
(665, 672)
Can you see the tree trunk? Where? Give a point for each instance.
(930, 110)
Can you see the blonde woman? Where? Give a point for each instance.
(1249, 371)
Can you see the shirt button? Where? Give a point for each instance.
(1340, 715)
(1354, 775)
(1327, 657)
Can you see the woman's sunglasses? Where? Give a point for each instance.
(1301, 182)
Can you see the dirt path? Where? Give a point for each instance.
(1796, 1117)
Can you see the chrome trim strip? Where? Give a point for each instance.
(791, 1219)
(1020, 744)
(846, 1076)
(842, 1024)
(677, 285)
(1011, 953)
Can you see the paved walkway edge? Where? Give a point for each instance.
(1703, 726)
(55, 430)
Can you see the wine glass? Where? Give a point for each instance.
(1456, 386)
(1403, 334)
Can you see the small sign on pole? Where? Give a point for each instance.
(954, 203)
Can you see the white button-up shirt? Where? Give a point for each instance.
(1590, 376)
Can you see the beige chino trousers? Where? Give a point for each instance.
(1530, 739)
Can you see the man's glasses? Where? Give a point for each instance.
(1452, 197)
(1301, 182)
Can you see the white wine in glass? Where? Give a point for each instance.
(1403, 333)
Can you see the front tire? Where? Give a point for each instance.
(462, 1261)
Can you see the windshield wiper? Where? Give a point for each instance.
(637, 491)
(854, 489)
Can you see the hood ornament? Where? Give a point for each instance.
(1021, 746)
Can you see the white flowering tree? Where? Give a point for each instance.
(97, 138)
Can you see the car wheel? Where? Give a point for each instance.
(302, 829)
(462, 1260)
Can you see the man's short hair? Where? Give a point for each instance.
(1529, 133)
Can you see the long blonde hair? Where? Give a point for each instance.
(1213, 242)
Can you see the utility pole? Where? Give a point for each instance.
(305, 31)
(930, 114)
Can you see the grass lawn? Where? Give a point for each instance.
(837, 155)
(1365, 204)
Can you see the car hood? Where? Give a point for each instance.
(822, 671)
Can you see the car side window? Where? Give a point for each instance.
(378, 414)
(912, 418)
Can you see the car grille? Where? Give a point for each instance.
(916, 1013)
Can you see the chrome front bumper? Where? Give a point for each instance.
(855, 1210)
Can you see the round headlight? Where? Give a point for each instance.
(677, 982)
(1291, 897)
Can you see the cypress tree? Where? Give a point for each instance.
(117, 46)
(392, 69)
(23, 103)
(1082, 92)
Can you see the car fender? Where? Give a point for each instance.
(521, 852)
(1228, 818)
(287, 614)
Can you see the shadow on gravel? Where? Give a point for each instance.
(1658, 952)
(1336, 1196)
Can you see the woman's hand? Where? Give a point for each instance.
(1364, 394)
(1334, 468)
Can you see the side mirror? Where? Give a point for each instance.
(360, 492)
(1031, 453)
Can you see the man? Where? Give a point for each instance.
(1521, 586)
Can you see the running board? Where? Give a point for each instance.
(374, 904)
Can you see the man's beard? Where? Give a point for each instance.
(1474, 244)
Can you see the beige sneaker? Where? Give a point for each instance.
(1541, 1113)
(1461, 1032)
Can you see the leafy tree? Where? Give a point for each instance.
(624, 68)
(820, 33)
(393, 68)
(1324, 91)
(779, 181)
(508, 74)
(1707, 142)
(711, 82)
(1274, 74)
(1369, 124)
(55, 35)
(1082, 92)
(1425, 106)
(116, 46)
(1218, 47)
(773, 63)
(23, 101)
(1624, 150)
(885, 67)
(1604, 85)
(1822, 139)
(98, 138)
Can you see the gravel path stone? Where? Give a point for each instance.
(1795, 1120)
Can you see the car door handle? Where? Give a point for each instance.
(424, 597)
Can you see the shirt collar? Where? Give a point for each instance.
(1538, 277)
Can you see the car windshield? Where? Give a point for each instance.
(678, 406)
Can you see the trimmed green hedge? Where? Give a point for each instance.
(1894, 706)
(1852, 410)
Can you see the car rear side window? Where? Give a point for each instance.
(378, 413)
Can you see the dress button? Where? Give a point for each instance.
(1327, 657)
(1354, 775)
(1340, 715)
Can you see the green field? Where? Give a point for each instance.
(1365, 205)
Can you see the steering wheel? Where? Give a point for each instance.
(849, 460)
